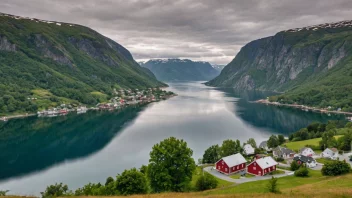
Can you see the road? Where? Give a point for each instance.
(243, 179)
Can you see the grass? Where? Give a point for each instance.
(284, 167)
(323, 160)
(296, 146)
(235, 176)
(277, 172)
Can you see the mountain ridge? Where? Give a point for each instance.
(65, 62)
(180, 69)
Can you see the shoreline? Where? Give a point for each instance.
(5, 118)
(302, 107)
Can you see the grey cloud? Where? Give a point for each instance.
(197, 29)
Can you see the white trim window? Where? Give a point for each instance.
(254, 168)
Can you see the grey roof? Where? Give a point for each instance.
(304, 159)
(302, 149)
(263, 144)
(283, 150)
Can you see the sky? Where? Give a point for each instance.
(201, 30)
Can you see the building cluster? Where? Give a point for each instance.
(263, 164)
(126, 97)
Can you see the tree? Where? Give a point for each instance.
(170, 166)
(229, 147)
(348, 125)
(273, 141)
(212, 154)
(281, 139)
(131, 182)
(109, 180)
(272, 185)
(143, 169)
(302, 172)
(56, 190)
(328, 140)
(206, 182)
(252, 142)
(294, 166)
(336, 167)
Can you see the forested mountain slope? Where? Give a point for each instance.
(59, 62)
(180, 69)
(312, 65)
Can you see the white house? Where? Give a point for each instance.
(248, 149)
(306, 151)
(309, 161)
(263, 145)
(331, 153)
(283, 152)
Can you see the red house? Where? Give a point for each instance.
(231, 164)
(262, 166)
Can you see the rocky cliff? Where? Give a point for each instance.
(288, 59)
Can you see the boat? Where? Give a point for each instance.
(4, 119)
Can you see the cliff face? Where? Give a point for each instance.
(177, 69)
(288, 59)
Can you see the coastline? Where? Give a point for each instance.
(5, 118)
(302, 107)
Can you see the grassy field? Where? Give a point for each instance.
(277, 172)
(323, 160)
(300, 144)
(315, 186)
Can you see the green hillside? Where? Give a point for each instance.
(51, 62)
(311, 65)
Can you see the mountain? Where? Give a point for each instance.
(312, 65)
(56, 62)
(218, 67)
(180, 69)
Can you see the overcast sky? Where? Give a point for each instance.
(206, 30)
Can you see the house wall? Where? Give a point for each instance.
(255, 169)
(222, 167)
(308, 152)
(237, 168)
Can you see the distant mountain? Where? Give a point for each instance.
(180, 69)
(312, 65)
(218, 67)
(61, 63)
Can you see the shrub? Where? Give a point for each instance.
(302, 172)
(206, 182)
(57, 190)
(280, 159)
(335, 167)
(272, 185)
(131, 182)
(294, 166)
(3, 192)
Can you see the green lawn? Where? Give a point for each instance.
(235, 176)
(300, 144)
(323, 160)
(277, 172)
(261, 186)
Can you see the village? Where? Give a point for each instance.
(262, 162)
(121, 98)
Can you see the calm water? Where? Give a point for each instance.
(77, 149)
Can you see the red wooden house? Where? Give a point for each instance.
(262, 166)
(231, 164)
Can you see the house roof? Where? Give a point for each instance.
(234, 160)
(334, 150)
(266, 162)
(303, 158)
(283, 150)
(248, 146)
(304, 148)
(263, 144)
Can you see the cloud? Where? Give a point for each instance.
(197, 29)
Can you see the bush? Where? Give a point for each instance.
(294, 166)
(280, 159)
(272, 185)
(206, 182)
(3, 192)
(302, 172)
(57, 190)
(131, 182)
(335, 167)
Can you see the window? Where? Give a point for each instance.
(254, 168)
(254, 163)
(242, 165)
(225, 169)
(233, 168)
(218, 167)
(236, 167)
